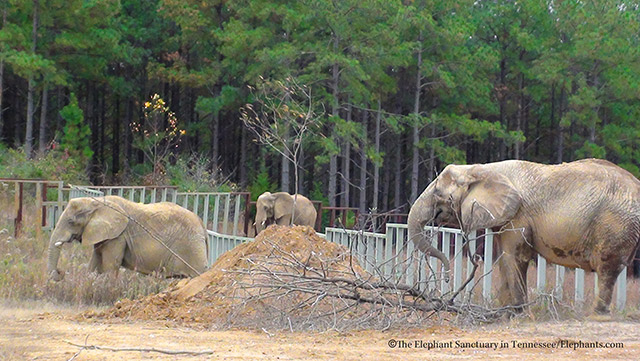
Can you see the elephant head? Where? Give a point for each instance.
(469, 197)
(272, 208)
(88, 220)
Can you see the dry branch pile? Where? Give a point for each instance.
(287, 278)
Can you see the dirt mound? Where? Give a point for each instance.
(240, 284)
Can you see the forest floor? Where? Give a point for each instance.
(44, 332)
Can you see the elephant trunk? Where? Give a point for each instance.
(420, 214)
(58, 237)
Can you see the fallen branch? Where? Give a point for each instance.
(143, 349)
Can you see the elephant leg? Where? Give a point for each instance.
(96, 260)
(512, 266)
(606, 281)
(112, 253)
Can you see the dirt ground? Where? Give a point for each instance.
(42, 332)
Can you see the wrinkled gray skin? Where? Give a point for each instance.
(277, 208)
(582, 214)
(107, 225)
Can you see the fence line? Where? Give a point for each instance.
(388, 254)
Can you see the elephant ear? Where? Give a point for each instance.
(283, 205)
(490, 201)
(107, 221)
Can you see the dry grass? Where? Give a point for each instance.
(23, 275)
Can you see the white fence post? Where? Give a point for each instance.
(488, 265)
(446, 249)
(621, 292)
(457, 262)
(579, 284)
(472, 251)
(559, 287)
(541, 271)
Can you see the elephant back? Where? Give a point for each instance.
(163, 231)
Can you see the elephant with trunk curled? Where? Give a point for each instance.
(584, 214)
(160, 237)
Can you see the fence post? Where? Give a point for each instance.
(205, 216)
(45, 187)
(579, 284)
(621, 292)
(225, 218)
(38, 208)
(472, 251)
(488, 265)
(446, 249)
(558, 290)
(388, 256)
(236, 214)
(457, 266)
(247, 202)
(18, 209)
(541, 271)
(410, 263)
(60, 204)
(433, 262)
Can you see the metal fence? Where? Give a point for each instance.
(394, 258)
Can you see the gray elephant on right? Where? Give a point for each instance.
(277, 208)
(584, 214)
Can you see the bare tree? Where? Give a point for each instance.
(284, 115)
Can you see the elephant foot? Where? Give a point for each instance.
(602, 310)
(56, 275)
(599, 317)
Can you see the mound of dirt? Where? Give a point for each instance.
(246, 281)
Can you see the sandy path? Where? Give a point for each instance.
(39, 333)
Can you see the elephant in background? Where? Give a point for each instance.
(584, 214)
(160, 237)
(278, 208)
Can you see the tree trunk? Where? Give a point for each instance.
(128, 137)
(115, 139)
(333, 160)
(301, 159)
(560, 130)
(42, 136)
(101, 124)
(363, 165)
(386, 180)
(431, 172)
(376, 165)
(215, 155)
(346, 164)
(4, 22)
(516, 145)
(502, 94)
(28, 141)
(397, 180)
(243, 157)
(415, 132)
(285, 175)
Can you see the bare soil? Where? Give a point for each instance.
(41, 332)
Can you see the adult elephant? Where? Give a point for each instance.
(278, 208)
(583, 214)
(160, 237)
